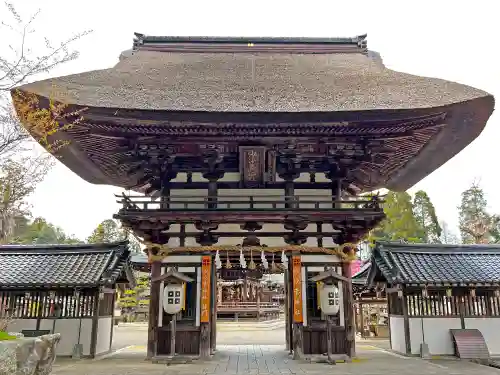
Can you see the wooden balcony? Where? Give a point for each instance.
(241, 209)
(245, 203)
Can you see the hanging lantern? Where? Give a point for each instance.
(473, 293)
(425, 293)
(449, 292)
(228, 262)
(497, 293)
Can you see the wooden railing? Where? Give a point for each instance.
(255, 203)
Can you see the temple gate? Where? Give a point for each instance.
(253, 152)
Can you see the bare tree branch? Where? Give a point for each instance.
(24, 64)
(21, 167)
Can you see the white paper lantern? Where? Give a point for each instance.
(173, 298)
(330, 299)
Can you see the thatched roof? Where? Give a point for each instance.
(171, 86)
(252, 82)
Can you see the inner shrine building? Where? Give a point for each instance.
(253, 154)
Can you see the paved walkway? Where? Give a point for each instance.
(271, 360)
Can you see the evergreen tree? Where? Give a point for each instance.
(110, 231)
(400, 222)
(425, 215)
(39, 231)
(495, 229)
(476, 224)
(107, 231)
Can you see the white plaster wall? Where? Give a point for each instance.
(437, 334)
(19, 325)
(397, 327)
(490, 328)
(68, 328)
(320, 258)
(104, 328)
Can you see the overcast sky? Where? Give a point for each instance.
(452, 40)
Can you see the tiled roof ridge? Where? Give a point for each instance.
(420, 264)
(438, 249)
(143, 38)
(90, 265)
(61, 249)
(213, 44)
(119, 260)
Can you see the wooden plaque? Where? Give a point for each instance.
(297, 289)
(271, 166)
(252, 165)
(205, 289)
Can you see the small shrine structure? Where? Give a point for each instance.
(442, 299)
(67, 289)
(370, 307)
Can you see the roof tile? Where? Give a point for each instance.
(63, 265)
(423, 263)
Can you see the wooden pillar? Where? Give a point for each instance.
(362, 319)
(205, 307)
(290, 304)
(258, 302)
(245, 288)
(154, 308)
(461, 308)
(213, 302)
(287, 311)
(389, 312)
(219, 293)
(95, 325)
(298, 318)
(406, 321)
(348, 312)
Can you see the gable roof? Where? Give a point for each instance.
(64, 266)
(436, 264)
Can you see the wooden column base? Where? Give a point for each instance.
(205, 347)
(298, 341)
(154, 307)
(349, 313)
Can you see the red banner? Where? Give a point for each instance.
(297, 289)
(205, 289)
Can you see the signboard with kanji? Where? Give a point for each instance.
(297, 289)
(205, 289)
